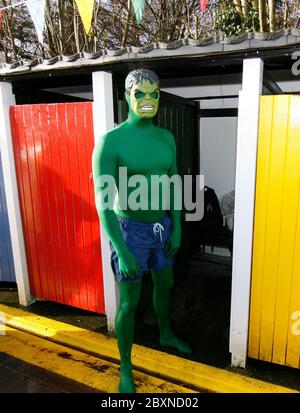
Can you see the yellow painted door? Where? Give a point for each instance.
(274, 331)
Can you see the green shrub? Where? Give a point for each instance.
(230, 23)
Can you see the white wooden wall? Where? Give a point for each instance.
(247, 134)
(103, 121)
(7, 99)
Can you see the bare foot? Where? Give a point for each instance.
(172, 341)
(126, 383)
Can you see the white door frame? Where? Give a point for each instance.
(7, 99)
(103, 118)
(247, 138)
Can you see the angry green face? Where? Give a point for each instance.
(144, 99)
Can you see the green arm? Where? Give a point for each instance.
(105, 164)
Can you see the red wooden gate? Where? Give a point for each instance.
(53, 147)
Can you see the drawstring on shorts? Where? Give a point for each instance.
(158, 228)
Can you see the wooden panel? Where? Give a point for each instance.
(293, 337)
(53, 147)
(259, 232)
(275, 290)
(7, 271)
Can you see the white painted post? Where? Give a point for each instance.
(247, 137)
(103, 115)
(7, 99)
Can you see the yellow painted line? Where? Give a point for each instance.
(196, 375)
(72, 364)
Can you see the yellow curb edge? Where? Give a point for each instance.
(94, 372)
(196, 375)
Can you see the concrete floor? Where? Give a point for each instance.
(200, 311)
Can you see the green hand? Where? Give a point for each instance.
(128, 264)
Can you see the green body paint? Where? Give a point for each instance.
(147, 150)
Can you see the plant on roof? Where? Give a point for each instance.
(114, 24)
(231, 21)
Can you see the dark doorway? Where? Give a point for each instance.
(200, 310)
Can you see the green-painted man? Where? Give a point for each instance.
(144, 233)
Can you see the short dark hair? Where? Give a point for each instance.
(139, 75)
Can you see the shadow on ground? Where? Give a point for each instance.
(17, 376)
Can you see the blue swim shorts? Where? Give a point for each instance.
(147, 243)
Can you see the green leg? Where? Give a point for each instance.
(163, 283)
(129, 299)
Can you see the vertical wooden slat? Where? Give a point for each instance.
(26, 163)
(70, 201)
(58, 158)
(293, 339)
(15, 119)
(49, 211)
(47, 196)
(94, 219)
(273, 220)
(56, 203)
(287, 238)
(75, 185)
(275, 292)
(88, 208)
(65, 172)
(262, 179)
(41, 139)
(68, 207)
(84, 170)
(34, 154)
(43, 165)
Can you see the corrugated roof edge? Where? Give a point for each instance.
(182, 47)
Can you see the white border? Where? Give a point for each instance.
(103, 116)
(247, 136)
(7, 99)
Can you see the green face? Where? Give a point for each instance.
(144, 99)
